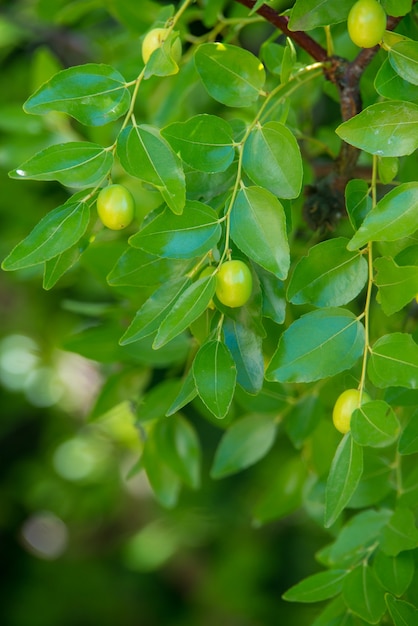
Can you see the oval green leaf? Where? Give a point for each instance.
(230, 74)
(394, 216)
(94, 94)
(403, 57)
(398, 285)
(215, 377)
(56, 232)
(344, 476)
(329, 275)
(184, 236)
(147, 156)
(317, 587)
(375, 424)
(386, 129)
(394, 361)
(258, 227)
(317, 345)
(205, 142)
(272, 159)
(75, 164)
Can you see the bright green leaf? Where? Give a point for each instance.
(272, 159)
(137, 268)
(394, 361)
(230, 74)
(246, 348)
(94, 94)
(394, 573)
(205, 142)
(329, 275)
(400, 533)
(403, 57)
(403, 613)
(146, 155)
(192, 302)
(358, 201)
(393, 217)
(317, 345)
(58, 231)
(375, 424)
(307, 15)
(258, 227)
(317, 587)
(154, 310)
(397, 285)
(344, 476)
(75, 164)
(215, 376)
(363, 594)
(408, 442)
(390, 85)
(179, 446)
(184, 236)
(386, 129)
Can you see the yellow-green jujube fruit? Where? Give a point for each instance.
(366, 23)
(115, 207)
(155, 39)
(234, 283)
(345, 406)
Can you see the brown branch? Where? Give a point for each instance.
(325, 199)
(306, 42)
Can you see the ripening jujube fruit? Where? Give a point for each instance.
(155, 39)
(347, 402)
(115, 207)
(366, 23)
(234, 283)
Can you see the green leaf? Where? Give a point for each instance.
(154, 310)
(317, 587)
(258, 227)
(274, 300)
(336, 613)
(403, 57)
(344, 476)
(215, 376)
(363, 594)
(57, 231)
(397, 285)
(184, 236)
(137, 268)
(393, 217)
(355, 539)
(390, 85)
(329, 275)
(179, 446)
(246, 348)
(75, 164)
(408, 442)
(375, 424)
(402, 613)
(263, 160)
(386, 129)
(306, 16)
(245, 442)
(394, 573)
(147, 156)
(397, 7)
(230, 74)
(205, 142)
(94, 94)
(186, 394)
(164, 482)
(317, 345)
(400, 533)
(358, 201)
(394, 361)
(56, 267)
(192, 302)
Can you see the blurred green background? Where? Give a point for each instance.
(82, 542)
